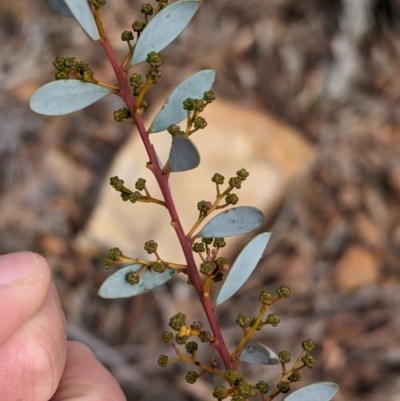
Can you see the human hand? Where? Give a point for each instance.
(37, 363)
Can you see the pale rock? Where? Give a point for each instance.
(236, 137)
(357, 268)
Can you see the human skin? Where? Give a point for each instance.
(37, 363)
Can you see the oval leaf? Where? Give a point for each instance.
(243, 266)
(238, 220)
(80, 9)
(61, 7)
(116, 285)
(65, 96)
(183, 155)
(164, 28)
(323, 391)
(173, 112)
(258, 354)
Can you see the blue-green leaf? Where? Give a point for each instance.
(183, 155)
(80, 9)
(164, 28)
(323, 391)
(173, 112)
(243, 266)
(236, 221)
(65, 96)
(258, 354)
(116, 285)
(61, 7)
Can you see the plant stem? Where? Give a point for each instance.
(162, 180)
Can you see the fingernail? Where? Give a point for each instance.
(17, 267)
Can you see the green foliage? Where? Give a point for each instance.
(76, 88)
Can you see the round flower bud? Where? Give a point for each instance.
(309, 361)
(219, 276)
(198, 247)
(177, 321)
(138, 26)
(140, 184)
(235, 182)
(134, 197)
(262, 387)
(147, 9)
(106, 263)
(150, 246)
(294, 377)
(283, 291)
(200, 123)
(233, 374)
(154, 59)
(167, 336)
(205, 336)
(283, 387)
(207, 268)
(284, 357)
(218, 178)
(308, 345)
(191, 377)
(132, 278)
(159, 266)
(220, 392)
(231, 199)
(126, 36)
(196, 326)
(61, 75)
(188, 104)
(115, 253)
(163, 360)
(273, 319)
(219, 242)
(116, 183)
(191, 347)
(208, 96)
(242, 174)
(59, 63)
(243, 320)
(266, 297)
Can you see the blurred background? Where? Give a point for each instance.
(308, 99)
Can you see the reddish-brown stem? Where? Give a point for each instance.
(162, 180)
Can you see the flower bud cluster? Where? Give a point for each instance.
(191, 377)
(218, 178)
(140, 184)
(150, 246)
(175, 130)
(273, 319)
(69, 66)
(132, 278)
(138, 26)
(158, 266)
(126, 36)
(114, 255)
(147, 9)
(284, 357)
(121, 115)
(191, 347)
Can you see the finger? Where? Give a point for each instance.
(24, 284)
(86, 379)
(33, 358)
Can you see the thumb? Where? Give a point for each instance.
(24, 284)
